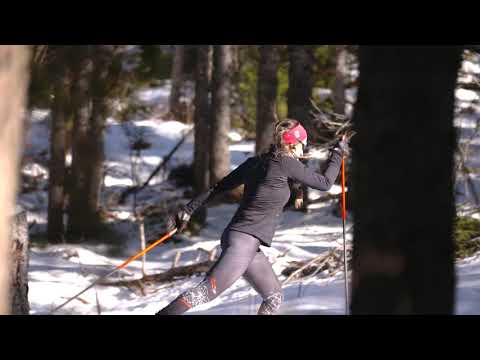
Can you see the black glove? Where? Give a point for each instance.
(179, 221)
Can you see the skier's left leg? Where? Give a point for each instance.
(262, 278)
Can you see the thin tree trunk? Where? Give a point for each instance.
(177, 81)
(202, 118)
(219, 150)
(266, 96)
(201, 157)
(403, 159)
(340, 77)
(14, 61)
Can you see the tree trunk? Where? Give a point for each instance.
(340, 77)
(266, 96)
(202, 119)
(14, 61)
(300, 86)
(19, 304)
(96, 157)
(88, 148)
(80, 216)
(56, 184)
(201, 156)
(102, 78)
(219, 144)
(177, 82)
(403, 257)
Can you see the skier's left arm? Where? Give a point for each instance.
(230, 182)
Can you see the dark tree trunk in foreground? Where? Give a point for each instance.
(403, 260)
(266, 96)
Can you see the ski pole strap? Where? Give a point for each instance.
(344, 200)
(133, 258)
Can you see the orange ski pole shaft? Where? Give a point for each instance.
(140, 254)
(121, 266)
(344, 198)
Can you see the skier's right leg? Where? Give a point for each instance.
(238, 251)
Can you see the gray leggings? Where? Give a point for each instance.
(241, 256)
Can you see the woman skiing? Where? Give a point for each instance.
(266, 192)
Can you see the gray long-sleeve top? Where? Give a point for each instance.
(267, 191)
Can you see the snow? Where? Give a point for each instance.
(468, 287)
(51, 273)
(471, 67)
(58, 272)
(466, 95)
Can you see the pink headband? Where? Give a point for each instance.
(295, 135)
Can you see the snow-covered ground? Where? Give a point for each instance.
(58, 272)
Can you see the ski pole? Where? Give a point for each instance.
(344, 219)
(123, 265)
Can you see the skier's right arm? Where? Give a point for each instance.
(297, 171)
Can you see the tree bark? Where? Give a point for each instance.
(219, 145)
(267, 86)
(14, 60)
(19, 304)
(403, 257)
(177, 82)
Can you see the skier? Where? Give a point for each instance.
(266, 192)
